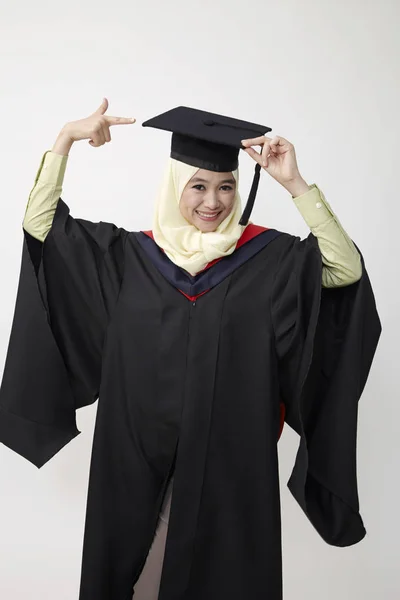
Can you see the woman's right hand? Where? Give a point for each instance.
(95, 128)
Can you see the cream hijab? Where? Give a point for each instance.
(184, 244)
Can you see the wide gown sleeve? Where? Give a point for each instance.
(67, 291)
(325, 342)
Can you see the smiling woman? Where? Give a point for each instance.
(208, 199)
(192, 338)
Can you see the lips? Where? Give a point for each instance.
(208, 216)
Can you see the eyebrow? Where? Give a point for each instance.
(230, 180)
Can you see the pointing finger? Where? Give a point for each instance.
(119, 120)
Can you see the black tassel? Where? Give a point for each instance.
(252, 196)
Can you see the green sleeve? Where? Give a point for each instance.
(45, 194)
(340, 257)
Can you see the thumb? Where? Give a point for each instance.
(102, 108)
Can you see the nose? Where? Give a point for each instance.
(211, 201)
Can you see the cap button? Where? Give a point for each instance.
(209, 122)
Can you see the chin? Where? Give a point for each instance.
(206, 227)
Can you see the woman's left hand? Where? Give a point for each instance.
(278, 157)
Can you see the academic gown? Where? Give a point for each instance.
(191, 375)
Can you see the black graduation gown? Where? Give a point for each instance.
(194, 387)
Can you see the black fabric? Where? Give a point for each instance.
(193, 388)
(206, 136)
(324, 360)
(66, 292)
(192, 285)
(204, 154)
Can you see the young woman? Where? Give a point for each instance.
(200, 338)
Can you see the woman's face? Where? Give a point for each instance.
(208, 199)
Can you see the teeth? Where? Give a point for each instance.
(207, 214)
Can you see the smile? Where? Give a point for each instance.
(208, 216)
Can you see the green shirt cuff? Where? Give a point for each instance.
(52, 169)
(314, 207)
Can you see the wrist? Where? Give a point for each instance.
(63, 143)
(297, 187)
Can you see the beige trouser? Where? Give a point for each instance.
(148, 584)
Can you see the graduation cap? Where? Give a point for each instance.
(209, 141)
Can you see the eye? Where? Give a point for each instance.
(223, 186)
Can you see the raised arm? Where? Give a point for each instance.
(44, 196)
(67, 293)
(341, 259)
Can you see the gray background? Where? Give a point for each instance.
(325, 76)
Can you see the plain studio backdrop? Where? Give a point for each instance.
(323, 75)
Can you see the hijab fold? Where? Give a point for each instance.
(187, 246)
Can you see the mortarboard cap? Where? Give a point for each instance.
(209, 141)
